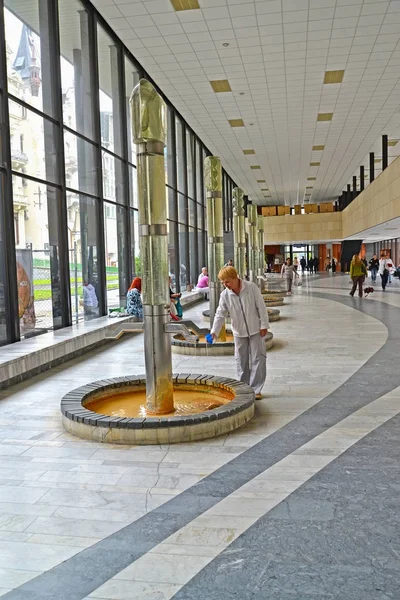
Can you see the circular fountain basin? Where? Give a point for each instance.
(273, 315)
(114, 410)
(273, 300)
(180, 346)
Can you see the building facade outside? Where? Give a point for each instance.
(68, 195)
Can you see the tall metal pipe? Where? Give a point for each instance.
(239, 232)
(149, 131)
(215, 225)
(261, 254)
(253, 242)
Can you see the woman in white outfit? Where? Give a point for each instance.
(288, 273)
(383, 270)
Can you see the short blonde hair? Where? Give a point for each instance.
(227, 273)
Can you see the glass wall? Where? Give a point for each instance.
(69, 241)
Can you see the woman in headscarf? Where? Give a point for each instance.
(134, 306)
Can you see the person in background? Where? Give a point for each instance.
(203, 286)
(134, 306)
(310, 265)
(204, 273)
(295, 263)
(176, 311)
(303, 264)
(333, 266)
(288, 272)
(229, 263)
(374, 267)
(390, 267)
(249, 318)
(358, 272)
(316, 264)
(383, 270)
(90, 302)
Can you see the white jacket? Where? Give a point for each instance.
(382, 266)
(247, 311)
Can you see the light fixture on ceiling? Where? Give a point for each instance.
(251, 124)
(236, 122)
(225, 44)
(318, 148)
(324, 116)
(249, 151)
(241, 93)
(220, 85)
(314, 164)
(255, 167)
(185, 4)
(333, 76)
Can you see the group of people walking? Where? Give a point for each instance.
(359, 267)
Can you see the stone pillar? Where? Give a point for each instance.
(253, 242)
(149, 124)
(239, 232)
(215, 226)
(261, 254)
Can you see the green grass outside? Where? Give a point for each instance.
(110, 278)
(46, 294)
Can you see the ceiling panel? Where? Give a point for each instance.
(275, 55)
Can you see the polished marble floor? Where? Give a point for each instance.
(301, 503)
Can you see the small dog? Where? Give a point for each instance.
(368, 291)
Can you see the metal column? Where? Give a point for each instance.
(149, 133)
(239, 232)
(253, 242)
(261, 255)
(213, 183)
(371, 167)
(385, 153)
(362, 176)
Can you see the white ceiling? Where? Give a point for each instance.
(385, 231)
(275, 62)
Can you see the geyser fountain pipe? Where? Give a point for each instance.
(261, 255)
(149, 131)
(253, 242)
(215, 226)
(239, 232)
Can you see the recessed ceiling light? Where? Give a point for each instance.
(264, 189)
(315, 164)
(255, 167)
(311, 178)
(221, 85)
(309, 187)
(250, 151)
(333, 76)
(260, 180)
(318, 148)
(185, 4)
(236, 122)
(325, 117)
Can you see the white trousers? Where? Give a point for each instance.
(251, 361)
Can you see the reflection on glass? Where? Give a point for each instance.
(131, 79)
(115, 254)
(80, 164)
(193, 255)
(172, 212)
(184, 258)
(172, 252)
(3, 315)
(133, 199)
(32, 143)
(36, 227)
(76, 67)
(28, 60)
(110, 113)
(113, 178)
(199, 174)
(190, 163)
(83, 222)
(182, 208)
(180, 163)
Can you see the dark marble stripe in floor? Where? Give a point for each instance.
(335, 537)
(77, 577)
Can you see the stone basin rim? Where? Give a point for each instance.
(73, 409)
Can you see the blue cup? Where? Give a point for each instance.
(209, 338)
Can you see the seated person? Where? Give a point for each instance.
(203, 286)
(176, 311)
(134, 306)
(204, 273)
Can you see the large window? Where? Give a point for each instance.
(69, 233)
